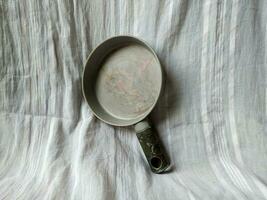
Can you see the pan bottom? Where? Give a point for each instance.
(128, 82)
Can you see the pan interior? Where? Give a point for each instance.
(128, 82)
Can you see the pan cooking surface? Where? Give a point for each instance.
(128, 82)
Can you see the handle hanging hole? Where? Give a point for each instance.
(156, 162)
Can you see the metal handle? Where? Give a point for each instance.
(152, 147)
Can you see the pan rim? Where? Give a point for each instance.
(145, 114)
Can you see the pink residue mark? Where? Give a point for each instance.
(127, 88)
(145, 64)
(121, 85)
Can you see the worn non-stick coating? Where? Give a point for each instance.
(122, 80)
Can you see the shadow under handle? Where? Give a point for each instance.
(152, 147)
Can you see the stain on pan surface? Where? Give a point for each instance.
(128, 82)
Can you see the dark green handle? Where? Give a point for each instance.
(152, 147)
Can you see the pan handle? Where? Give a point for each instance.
(152, 147)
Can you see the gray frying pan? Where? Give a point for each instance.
(122, 82)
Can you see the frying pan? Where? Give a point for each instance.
(122, 82)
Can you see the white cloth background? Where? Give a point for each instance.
(211, 118)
